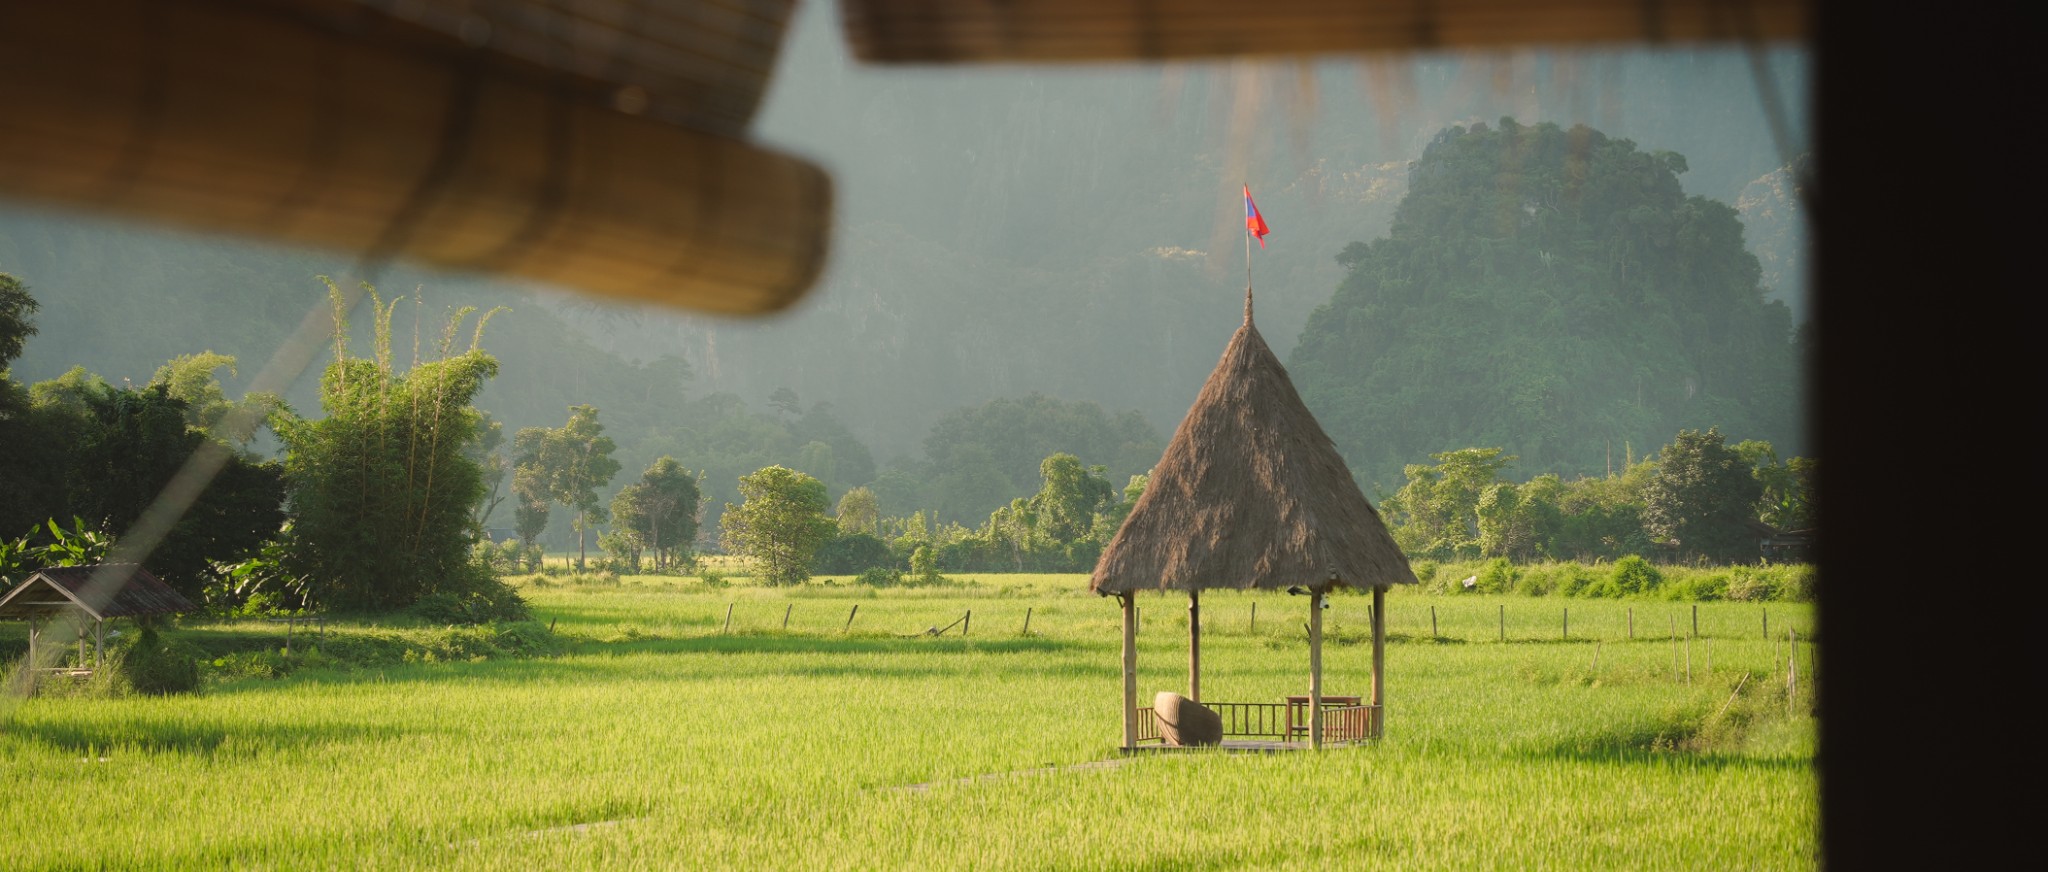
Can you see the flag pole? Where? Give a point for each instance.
(1247, 260)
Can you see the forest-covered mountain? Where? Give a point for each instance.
(1553, 292)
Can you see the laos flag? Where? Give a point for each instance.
(1254, 223)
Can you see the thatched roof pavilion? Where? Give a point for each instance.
(1252, 494)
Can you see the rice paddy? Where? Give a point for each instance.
(663, 738)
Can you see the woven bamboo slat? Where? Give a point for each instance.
(246, 118)
(931, 31)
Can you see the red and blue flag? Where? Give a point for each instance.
(1254, 223)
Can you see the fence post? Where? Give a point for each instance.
(849, 618)
(785, 615)
(728, 618)
(1631, 623)
(966, 622)
(1255, 616)
(1503, 622)
(1027, 621)
(1695, 620)
(1432, 622)
(1567, 623)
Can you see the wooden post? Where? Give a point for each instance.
(1130, 670)
(1315, 669)
(1027, 621)
(1567, 623)
(1674, 647)
(1255, 616)
(1596, 655)
(99, 644)
(966, 622)
(1503, 623)
(1791, 669)
(81, 639)
(785, 614)
(1432, 622)
(1767, 623)
(728, 617)
(35, 631)
(1688, 660)
(1195, 645)
(1631, 623)
(1695, 620)
(1379, 658)
(849, 618)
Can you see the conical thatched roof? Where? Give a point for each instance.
(1251, 493)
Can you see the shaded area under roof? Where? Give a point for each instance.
(1251, 493)
(61, 588)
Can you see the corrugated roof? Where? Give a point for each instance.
(134, 592)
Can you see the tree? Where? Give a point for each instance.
(567, 465)
(1787, 501)
(858, 512)
(125, 449)
(381, 491)
(660, 510)
(1436, 513)
(785, 401)
(1703, 498)
(1067, 501)
(17, 307)
(782, 522)
(483, 451)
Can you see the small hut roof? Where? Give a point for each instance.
(63, 587)
(1251, 493)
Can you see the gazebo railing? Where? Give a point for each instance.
(1273, 720)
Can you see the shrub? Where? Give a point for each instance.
(1751, 584)
(155, 665)
(1698, 587)
(1497, 576)
(1633, 575)
(1798, 582)
(1576, 580)
(1425, 572)
(474, 596)
(1538, 580)
(852, 554)
(879, 576)
(712, 578)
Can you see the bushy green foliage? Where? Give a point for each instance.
(782, 523)
(1497, 576)
(157, 665)
(381, 489)
(473, 597)
(657, 513)
(852, 553)
(879, 576)
(566, 465)
(1703, 498)
(1633, 575)
(1552, 291)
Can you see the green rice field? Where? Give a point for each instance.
(661, 738)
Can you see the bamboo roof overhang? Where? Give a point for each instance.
(952, 31)
(135, 592)
(590, 143)
(1250, 494)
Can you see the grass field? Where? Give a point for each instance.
(661, 740)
